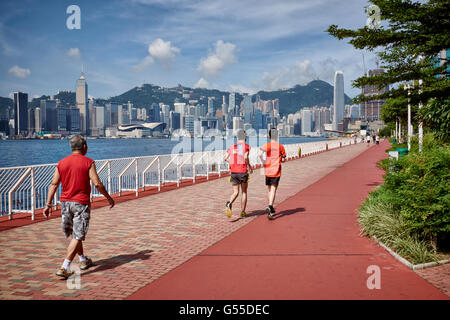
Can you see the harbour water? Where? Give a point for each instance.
(15, 153)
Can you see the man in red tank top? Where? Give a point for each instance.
(75, 173)
(237, 156)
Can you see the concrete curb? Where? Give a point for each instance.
(409, 264)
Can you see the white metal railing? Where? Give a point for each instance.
(25, 189)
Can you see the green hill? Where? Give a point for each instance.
(315, 93)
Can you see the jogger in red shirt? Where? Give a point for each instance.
(275, 155)
(237, 155)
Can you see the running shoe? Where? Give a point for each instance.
(228, 211)
(243, 214)
(64, 273)
(270, 212)
(86, 264)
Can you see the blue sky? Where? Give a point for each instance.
(241, 45)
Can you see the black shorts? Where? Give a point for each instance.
(272, 180)
(238, 178)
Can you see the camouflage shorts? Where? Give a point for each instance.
(75, 219)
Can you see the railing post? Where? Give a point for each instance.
(159, 174)
(207, 166)
(194, 171)
(178, 171)
(137, 178)
(33, 194)
(109, 176)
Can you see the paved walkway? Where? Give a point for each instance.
(140, 240)
(179, 245)
(313, 250)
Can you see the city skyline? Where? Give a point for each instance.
(266, 47)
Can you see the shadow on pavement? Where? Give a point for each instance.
(277, 215)
(287, 212)
(113, 262)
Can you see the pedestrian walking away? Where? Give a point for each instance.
(75, 174)
(377, 138)
(238, 159)
(368, 140)
(275, 155)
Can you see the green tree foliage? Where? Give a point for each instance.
(436, 117)
(409, 30)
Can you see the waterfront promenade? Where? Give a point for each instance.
(179, 244)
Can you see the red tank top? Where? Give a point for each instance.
(237, 160)
(74, 173)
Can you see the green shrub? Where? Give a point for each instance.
(418, 186)
(378, 218)
(410, 212)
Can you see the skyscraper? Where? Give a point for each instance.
(371, 110)
(20, 113)
(210, 106)
(231, 103)
(248, 108)
(306, 121)
(82, 103)
(338, 99)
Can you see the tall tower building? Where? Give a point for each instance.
(231, 103)
(20, 113)
(338, 99)
(210, 106)
(248, 109)
(371, 110)
(82, 104)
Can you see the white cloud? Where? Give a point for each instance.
(163, 50)
(202, 83)
(19, 72)
(147, 61)
(74, 53)
(241, 89)
(216, 61)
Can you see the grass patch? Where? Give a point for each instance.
(378, 218)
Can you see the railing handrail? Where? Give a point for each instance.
(19, 193)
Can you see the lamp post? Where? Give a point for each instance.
(407, 87)
(420, 106)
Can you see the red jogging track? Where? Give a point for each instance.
(311, 250)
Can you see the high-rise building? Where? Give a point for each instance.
(156, 110)
(31, 123)
(174, 121)
(62, 119)
(82, 103)
(38, 119)
(248, 109)
(238, 123)
(112, 113)
(338, 99)
(232, 103)
(224, 106)
(210, 106)
(371, 110)
(20, 113)
(100, 117)
(75, 120)
(189, 123)
(306, 121)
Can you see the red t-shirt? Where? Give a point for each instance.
(237, 160)
(75, 181)
(274, 153)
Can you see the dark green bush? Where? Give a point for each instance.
(418, 188)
